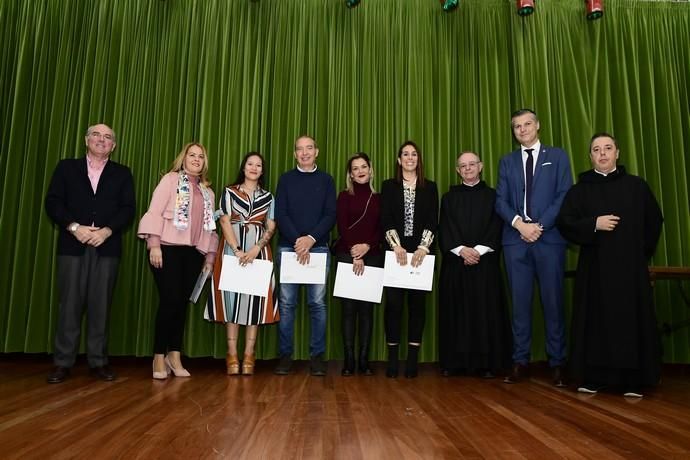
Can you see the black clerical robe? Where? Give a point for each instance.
(614, 336)
(474, 328)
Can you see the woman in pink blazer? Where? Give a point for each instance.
(181, 237)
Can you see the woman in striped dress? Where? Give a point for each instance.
(246, 219)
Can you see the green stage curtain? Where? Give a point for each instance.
(244, 75)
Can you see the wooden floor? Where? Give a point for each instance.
(214, 416)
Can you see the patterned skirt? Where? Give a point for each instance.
(244, 309)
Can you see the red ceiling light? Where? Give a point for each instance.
(525, 7)
(595, 9)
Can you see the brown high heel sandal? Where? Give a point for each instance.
(248, 365)
(232, 364)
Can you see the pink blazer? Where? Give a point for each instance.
(158, 220)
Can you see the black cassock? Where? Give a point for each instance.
(474, 328)
(614, 336)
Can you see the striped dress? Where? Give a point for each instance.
(248, 215)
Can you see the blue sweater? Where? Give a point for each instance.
(305, 205)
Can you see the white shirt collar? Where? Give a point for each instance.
(302, 170)
(535, 149)
(603, 173)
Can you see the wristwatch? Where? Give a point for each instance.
(73, 227)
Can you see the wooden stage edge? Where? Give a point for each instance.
(211, 415)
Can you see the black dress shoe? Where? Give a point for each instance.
(364, 368)
(58, 375)
(318, 366)
(284, 366)
(558, 377)
(519, 372)
(103, 373)
(487, 374)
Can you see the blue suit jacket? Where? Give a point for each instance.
(552, 179)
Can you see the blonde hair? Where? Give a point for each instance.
(178, 163)
(349, 186)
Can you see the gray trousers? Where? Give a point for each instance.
(84, 281)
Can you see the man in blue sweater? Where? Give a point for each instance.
(305, 213)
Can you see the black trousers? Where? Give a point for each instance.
(416, 314)
(357, 312)
(84, 281)
(175, 281)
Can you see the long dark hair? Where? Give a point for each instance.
(240, 175)
(420, 164)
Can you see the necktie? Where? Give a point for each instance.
(529, 175)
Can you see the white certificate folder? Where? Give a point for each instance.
(293, 272)
(199, 286)
(253, 278)
(367, 287)
(406, 276)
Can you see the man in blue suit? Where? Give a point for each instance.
(532, 182)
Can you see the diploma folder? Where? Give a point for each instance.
(406, 276)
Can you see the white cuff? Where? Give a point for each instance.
(457, 250)
(481, 249)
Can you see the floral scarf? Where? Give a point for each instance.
(184, 192)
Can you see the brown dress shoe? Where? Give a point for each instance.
(558, 377)
(58, 375)
(519, 372)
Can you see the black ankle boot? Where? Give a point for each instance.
(349, 362)
(366, 318)
(364, 368)
(392, 367)
(411, 365)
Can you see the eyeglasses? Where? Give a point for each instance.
(96, 134)
(471, 164)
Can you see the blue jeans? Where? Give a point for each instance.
(287, 305)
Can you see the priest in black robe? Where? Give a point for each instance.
(615, 219)
(474, 328)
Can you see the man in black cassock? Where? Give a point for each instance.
(615, 219)
(474, 334)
